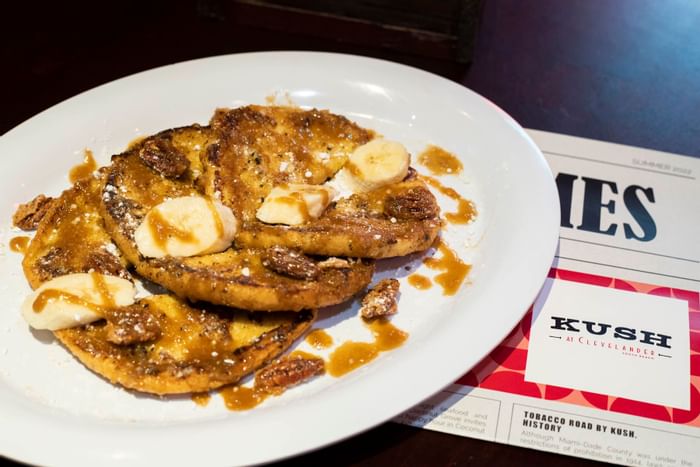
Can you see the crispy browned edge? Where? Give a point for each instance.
(173, 380)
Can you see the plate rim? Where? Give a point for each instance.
(121, 457)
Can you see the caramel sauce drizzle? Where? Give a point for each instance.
(280, 99)
(182, 336)
(83, 170)
(353, 169)
(242, 398)
(301, 205)
(201, 398)
(239, 398)
(386, 335)
(19, 244)
(352, 355)
(319, 339)
(466, 211)
(162, 230)
(218, 224)
(315, 190)
(346, 358)
(455, 270)
(49, 295)
(325, 196)
(439, 161)
(296, 200)
(420, 282)
(101, 286)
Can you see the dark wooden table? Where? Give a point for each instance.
(626, 71)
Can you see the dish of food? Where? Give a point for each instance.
(408, 201)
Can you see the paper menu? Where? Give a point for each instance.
(606, 364)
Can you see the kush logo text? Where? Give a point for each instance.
(618, 332)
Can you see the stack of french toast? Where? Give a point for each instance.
(238, 231)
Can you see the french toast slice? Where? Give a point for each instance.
(391, 221)
(194, 350)
(71, 238)
(256, 148)
(161, 344)
(236, 277)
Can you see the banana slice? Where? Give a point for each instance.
(186, 226)
(75, 299)
(295, 204)
(375, 164)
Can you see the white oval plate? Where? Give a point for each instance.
(54, 411)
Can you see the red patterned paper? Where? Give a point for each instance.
(504, 368)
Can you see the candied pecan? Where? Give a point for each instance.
(284, 373)
(415, 203)
(131, 325)
(128, 213)
(290, 263)
(53, 263)
(381, 300)
(214, 328)
(412, 174)
(161, 155)
(105, 263)
(28, 215)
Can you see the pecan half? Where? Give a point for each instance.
(381, 300)
(415, 203)
(412, 174)
(53, 264)
(131, 325)
(284, 373)
(290, 263)
(28, 215)
(105, 263)
(161, 155)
